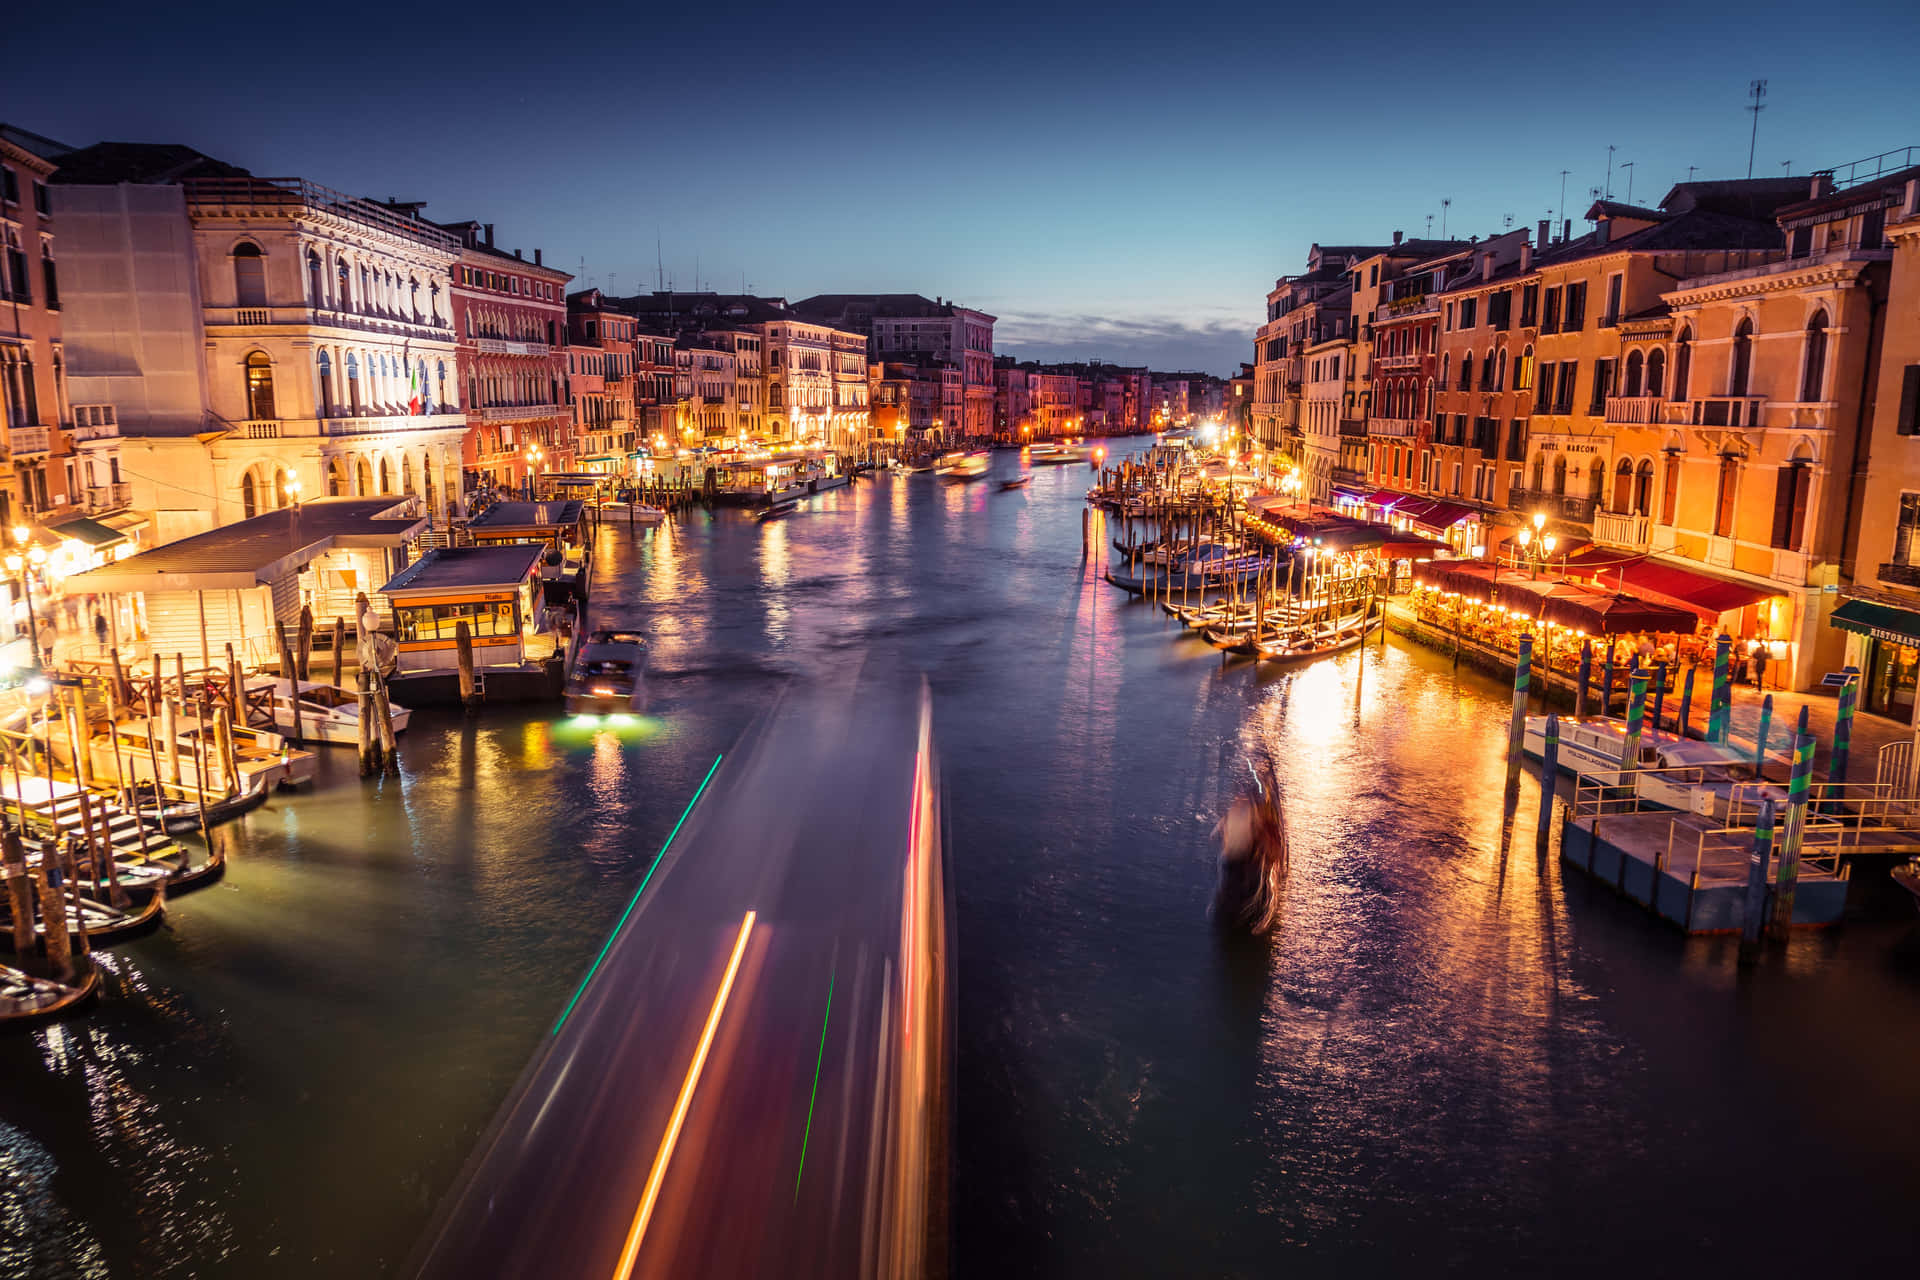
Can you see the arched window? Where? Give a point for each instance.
(1500, 371)
(259, 386)
(1560, 473)
(1622, 487)
(281, 498)
(406, 474)
(422, 388)
(1636, 372)
(363, 478)
(1466, 371)
(440, 385)
(316, 280)
(1539, 472)
(249, 497)
(337, 483)
(1596, 480)
(324, 363)
(1742, 369)
(1446, 367)
(426, 479)
(1723, 498)
(249, 276)
(1523, 370)
(1643, 488)
(386, 477)
(1486, 371)
(343, 287)
(1682, 362)
(353, 384)
(1656, 371)
(1813, 380)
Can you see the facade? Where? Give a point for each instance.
(321, 326)
(40, 472)
(600, 370)
(510, 320)
(907, 326)
(1013, 416)
(710, 412)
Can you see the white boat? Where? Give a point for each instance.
(1707, 778)
(1591, 747)
(969, 467)
(636, 512)
(262, 758)
(328, 713)
(1054, 455)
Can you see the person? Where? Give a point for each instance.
(46, 635)
(100, 629)
(1760, 667)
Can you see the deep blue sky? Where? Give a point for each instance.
(1112, 181)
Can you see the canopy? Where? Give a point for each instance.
(1704, 594)
(91, 532)
(1883, 621)
(1437, 515)
(1555, 600)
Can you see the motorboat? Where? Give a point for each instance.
(946, 462)
(132, 749)
(1707, 778)
(328, 713)
(971, 466)
(1055, 455)
(775, 510)
(1592, 747)
(1018, 482)
(608, 674)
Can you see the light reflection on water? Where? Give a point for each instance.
(1447, 1058)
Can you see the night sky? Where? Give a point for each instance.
(1111, 181)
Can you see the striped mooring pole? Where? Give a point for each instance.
(1720, 702)
(1754, 919)
(1843, 727)
(1760, 739)
(1549, 778)
(1788, 876)
(1517, 731)
(1606, 682)
(1686, 703)
(1659, 695)
(1636, 715)
(1586, 678)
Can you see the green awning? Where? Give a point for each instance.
(601, 457)
(91, 532)
(1884, 621)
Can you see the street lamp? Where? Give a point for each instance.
(533, 469)
(1537, 550)
(22, 563)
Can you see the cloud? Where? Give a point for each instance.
(1215, 340)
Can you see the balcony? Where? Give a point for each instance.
(519, 412)
(503, 347)
(1349, 475)
(95, 431)
(1355, 428)
(1394, 426)
(1727, 411)
(1418, 304)
(1617, 529)
(259, 429)
(1559, 506)
(28, 440)
(396, 422)
(1394, 364)
(1634, 409)
(108, 497)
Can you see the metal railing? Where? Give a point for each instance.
(1894, 769)
(1854, 172)
(1727, 411)
(1394, 426)
(1633, 409)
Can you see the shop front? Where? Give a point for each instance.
(1883, 641)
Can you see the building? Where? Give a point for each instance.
(510, 322)
(601, 340)
(1013, 416)
(285, 339)
(1879, 609)
(907, 326)
(710, 413)
(1301, 311)
(39, 473)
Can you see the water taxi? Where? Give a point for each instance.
(608, 673)
(328, 713)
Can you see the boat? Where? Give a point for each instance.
(26, 1000)
(608, 673)
(775, 510)
(970, 466)
(1306, 643)
(1592, 746)
(946, 462)
(131, 749)
(1018, 482)
(328, 713)
(637, 512)
(1055, 455)
(183, 813)
(1908, 877)
(1707, 778)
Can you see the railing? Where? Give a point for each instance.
(1567, 506)
(1356, 427)
(260, 429)
(28, 440)
(1349, 475)
(1855, 172)
(1904, 575)
(1895, 768)
(108, 497)
(1415, 305)
(283, 197)
(1727, 411)
(505, 347)
(1394, 426)
(516, 412)
(373, 322)
(390, 422)
(252, 315)
(1389, 364)
(1622, 530)
(95, 431)
(1633, 409)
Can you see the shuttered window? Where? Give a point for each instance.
(1790, 505)
(1909, 421)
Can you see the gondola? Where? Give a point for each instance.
(775, 510)
(1319, 643)
(27, 1000)
(178, 817)
(1018, 482)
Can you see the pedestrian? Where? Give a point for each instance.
(1760, 667)
(46, 635)
(100, 630)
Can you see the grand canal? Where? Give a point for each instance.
(1449, 1058)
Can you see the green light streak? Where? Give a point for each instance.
(615, 931)
(818, 1058)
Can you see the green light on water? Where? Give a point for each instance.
(615, 931)
(818, 1057)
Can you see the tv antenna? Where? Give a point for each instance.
(1609, 182)
(1758, 92)
(1429, 226)
(1444, 205)
(1628, 166)
(1563, 191)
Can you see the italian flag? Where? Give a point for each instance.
(414, 390)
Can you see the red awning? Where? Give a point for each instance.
(1706, 595)
(1385, 497)
(1591, 557)
(1440, 516)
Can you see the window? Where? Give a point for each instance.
(49, 278)
(1612, 317)
(1643, 488)
(353, 385)
(1670, 489)
(1500, 309)
(1723, 496)
(1550, 316)
(1622, 487)
(1486, 372)
(442, 621)
(1560, 473)
(249, 276)
(42, 199)
(1466, 372)
(1500, 371)
(259, 386)
(9, 185)
(1813, 378)
(1801, 243)
(1903, 537)
(1517, 444)
(1636, 368)
(1469, 312)
(1529, 305)
(15, 282)
(1742, 369)
(1523, 371)
(1569, 374)
(1602, 386)
(249, 497)
(325, 365)
(1682, 362)
(1573, 313)
(1656, 370)
(1790, 505)
(1908, 423)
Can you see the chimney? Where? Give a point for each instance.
(1546, 230)
(1396, 237)
(489, 230)
(1486, 266)
(1602, 229)
(536, 257)
(516, 253)
(1822, 184)
(1526, 257)
(1566, 230)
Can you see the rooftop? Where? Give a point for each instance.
(468, 568)
(560, 512)
(265, 548)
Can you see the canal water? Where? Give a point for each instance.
(1450, 1057)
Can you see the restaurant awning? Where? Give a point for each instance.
(1882, 621)
(1438, 516)
(91, 532)
(1704, 594)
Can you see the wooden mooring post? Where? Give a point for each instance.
(53, 910)
(1549, 779)
(367, 747)
(293, 680)
(19, 890)
(463, 651)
